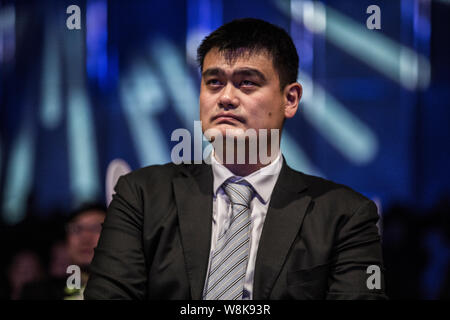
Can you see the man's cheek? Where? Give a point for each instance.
(203, 117)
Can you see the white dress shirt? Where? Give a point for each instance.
(263, 181)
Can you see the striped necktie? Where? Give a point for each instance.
(229, 259)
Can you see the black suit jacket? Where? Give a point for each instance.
(317, 240)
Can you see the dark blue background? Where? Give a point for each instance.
(408, 175)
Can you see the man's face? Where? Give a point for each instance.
(241, 94)
(82, 236)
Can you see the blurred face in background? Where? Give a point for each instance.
(25, 267)
(82, 236)
(59, 260)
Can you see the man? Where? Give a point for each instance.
(83, 232)
(83, 229)
(233, 230)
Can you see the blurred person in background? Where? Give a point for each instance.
(25, 267)
(57, 262)
(82, 233)
(59, 259)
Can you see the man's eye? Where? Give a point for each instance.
(213, 82)
(247, 83)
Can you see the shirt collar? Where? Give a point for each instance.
(262, 180)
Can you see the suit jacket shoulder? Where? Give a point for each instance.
(336, 195)
(318, 240)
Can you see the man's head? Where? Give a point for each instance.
(83, 231)
(249, 72)
(251, 36)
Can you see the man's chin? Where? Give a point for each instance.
(226, 129)
(84, 261)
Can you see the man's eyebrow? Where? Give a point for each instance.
(212, 72)
(250, 72)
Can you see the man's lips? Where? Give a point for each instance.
(227, 117)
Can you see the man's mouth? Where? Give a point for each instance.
(227, 118)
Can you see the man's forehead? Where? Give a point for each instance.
(88, 216)
(226, 59)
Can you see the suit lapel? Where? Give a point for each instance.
(283, 221)
(193, 194)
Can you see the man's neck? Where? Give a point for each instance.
(243, 170)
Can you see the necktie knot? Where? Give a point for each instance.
(240, 193)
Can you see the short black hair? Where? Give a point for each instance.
(88, 206)
(254, 35)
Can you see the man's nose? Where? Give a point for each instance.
(228, 99)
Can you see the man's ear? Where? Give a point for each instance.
(292, 95)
